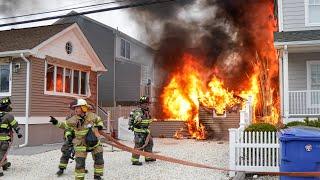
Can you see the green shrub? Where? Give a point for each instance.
(261, 127)
(295, 123)
(305, 122)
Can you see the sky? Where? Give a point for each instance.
(117, 19)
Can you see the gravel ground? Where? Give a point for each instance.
(118, 165)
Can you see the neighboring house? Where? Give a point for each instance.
(43, 69)
(130, 63)
(298, 42)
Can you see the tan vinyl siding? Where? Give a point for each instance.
(45, 105)
(218, 127)
(18, 94)
(165, 129)
(40, 134)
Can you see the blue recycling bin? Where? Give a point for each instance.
(300, 151)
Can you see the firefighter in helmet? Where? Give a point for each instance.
(86, 126)
(139, 121)
(7, 125)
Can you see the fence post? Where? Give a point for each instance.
(232, 151)
(249, 109)
(242, 123)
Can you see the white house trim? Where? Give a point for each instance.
(285, 83)
(14, 53)
(97, 64)
(280, 15)
(297, 43)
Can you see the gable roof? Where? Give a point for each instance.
(28, 38)
(289, 36)
(133, 40)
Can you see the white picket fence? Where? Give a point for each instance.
(253, 151)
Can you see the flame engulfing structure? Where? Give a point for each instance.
(215, 58)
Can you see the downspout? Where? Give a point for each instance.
(98, 76)
(114, 67)
(26, 130)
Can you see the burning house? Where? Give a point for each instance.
(215, 55)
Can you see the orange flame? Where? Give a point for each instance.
(194, 84)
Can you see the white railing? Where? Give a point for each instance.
(253, 151)
(304, 102)
(246, 114)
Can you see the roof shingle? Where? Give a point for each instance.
(28, 38)
(288, 36)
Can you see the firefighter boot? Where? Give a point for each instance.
(6, 166)
(137, 163)
(97, 177)
(60, 172)
(150, 159)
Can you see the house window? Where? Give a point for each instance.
(313, 83)
(312, 12)
(5, 79)
(50, 77)
(125, 49)
(83, 83)
(315, 77)
(76, 81)
(59, 79)
(66, 81)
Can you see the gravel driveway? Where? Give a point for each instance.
(118, 166)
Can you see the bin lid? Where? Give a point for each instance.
(298, 132)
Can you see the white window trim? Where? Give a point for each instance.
(309, 64)
(306, 9)
(125, 49)
(10, 81)
(54, 93)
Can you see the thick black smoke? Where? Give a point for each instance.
(224, 37)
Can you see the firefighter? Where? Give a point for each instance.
(85, 125)
(7, 124)
(67, 147)
(139, 121)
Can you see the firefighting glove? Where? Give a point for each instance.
(100, 128)
(69, 138)
(19, 135)
(53, 120)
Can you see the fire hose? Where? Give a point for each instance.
(117, 144)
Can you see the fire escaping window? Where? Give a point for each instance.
(125, 49)
(313, 12)
(66, 81)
